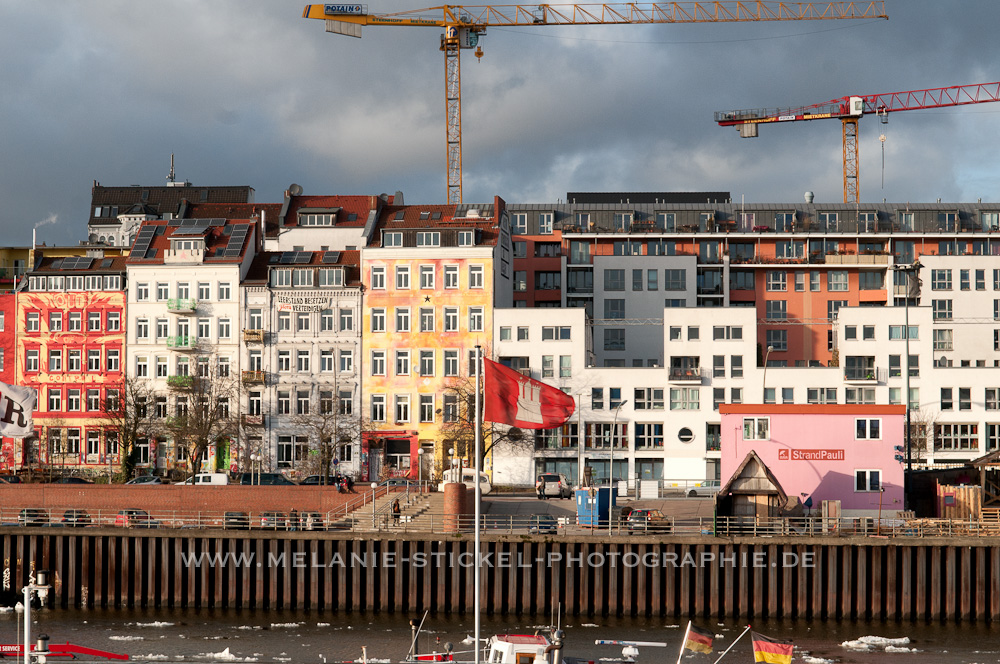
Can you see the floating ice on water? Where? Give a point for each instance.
(588, 625)
(281, 625)
(322, 624)
(248, 627)
(867, 643)
(154, 624)
(126, 638)
(898, 649)
(151, 657)
(815, 660)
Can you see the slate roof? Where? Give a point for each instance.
(264, 261)
(216, 240)
(437, 217)
(159, 200)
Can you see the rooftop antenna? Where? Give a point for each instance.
(171, 177)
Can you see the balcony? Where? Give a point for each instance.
(253, 420)
(865, 375)
(180, 382)
(181, 343)
(182, 306)
(685, 375)
(253, 377)
(253, 336)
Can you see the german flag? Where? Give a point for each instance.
(699, 640)
(771, 651)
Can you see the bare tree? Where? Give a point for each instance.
(126, 411)
(203, 412)
(328, 424)
(459, 416)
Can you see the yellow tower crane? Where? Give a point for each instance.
(464, 25)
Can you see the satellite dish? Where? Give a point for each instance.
(295, 189)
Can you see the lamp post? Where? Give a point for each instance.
(37, 586)
(611, 476)
(451, 465)
(763, 380)
(254, 475)
(420, 469)
(374, 523)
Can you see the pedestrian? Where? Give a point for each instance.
(541, 488)
(396, 511)
(294, 521)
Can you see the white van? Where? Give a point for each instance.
(208, 479)
(468, 477)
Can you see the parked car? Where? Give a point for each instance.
(542, 523)
(146, 479)
(70, 479)
(236, 521)
(33, 516)
(207, 479)
(265, 479)
(75, 518)
(135, 518)
(706, 488)
(314, 480)
(10, 479)
(273, 521)
(644, 520)
(467, 477)
(556, 486)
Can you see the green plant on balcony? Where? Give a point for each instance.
(183, 382)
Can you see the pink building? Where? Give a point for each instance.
(844, 452)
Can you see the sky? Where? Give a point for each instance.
(247, 92)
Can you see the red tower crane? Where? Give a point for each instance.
(850, 109)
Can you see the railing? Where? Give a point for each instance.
(865, 375)
(685, 373)
(180, 343)
(180, 382)
(252, 420)
(253, 377)
(182, 305)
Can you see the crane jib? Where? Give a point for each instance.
(353, 10)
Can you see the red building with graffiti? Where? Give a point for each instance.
(8, 445)
(70, 345)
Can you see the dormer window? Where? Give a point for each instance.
(399, 216)
(466, 238)
(393, 240)
(187, 245)
(331, 276)
(428, 239)
(317, 219)
(425, 215)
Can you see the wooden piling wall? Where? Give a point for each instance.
(833, 578)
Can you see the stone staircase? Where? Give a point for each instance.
(413, 507)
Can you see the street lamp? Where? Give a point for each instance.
(37, 586)
(374, 485)
(420, 469)
(611, 477)
(763, 380)
(451, 465)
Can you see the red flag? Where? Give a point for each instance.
(519, 401)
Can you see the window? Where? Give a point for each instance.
(326, 320)
(55, 321)
(475, 276)
(162, 292)
(776, 309)
(402, 407)
(870, 281)
(614, 308)
(614, 280)
(55, 360)
(113, 359)
(73, 360)
(75, 321)
(302, 402)
(31, 360)
(684, 398)
(648, 398)
(940, 279)
(832, 307)
(675, 280)
(868, 332)
(850, 332)
(55, 400)
(723, 332)
(451, 319)
(942, 339)
(992, 399)
(941, 309)
(756, 428)
(523, 333)
(402, 319)
(736, 366)
(346, 320)
(284, 402)
(426, 407)
(428, 239)
(402, 277)
(649, 435)
(777, 339)
(31, 321)
(956, 436)
(392, 239)
(163, 328)
(451, 363)
(225, 291)
(718, 366)
(302, 361)
(475, 319)
(302, 322)
(519, 223)
(776, 281)
(451, 276)
(614, 339)
(836, 280)
(867, 480)
(426, 362)
(565, 366)
(821, 395)
(545, 223)
(141, 292)
(867, 429)
(378, 320)
(426, 276)
(73, 400)
(402, 363)
(378, 277)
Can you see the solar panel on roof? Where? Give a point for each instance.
(288, 257)
(303, 257)
(331, 257)
(273, 258)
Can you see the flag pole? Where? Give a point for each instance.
(732, 644)
(687, 631)
(478, 495)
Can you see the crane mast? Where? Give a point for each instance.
(850, 109)
(464, 25)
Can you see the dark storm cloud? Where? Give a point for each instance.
(249, 93)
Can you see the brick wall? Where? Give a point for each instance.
(176, 498)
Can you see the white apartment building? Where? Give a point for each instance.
(183, 314)
(301, 353)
